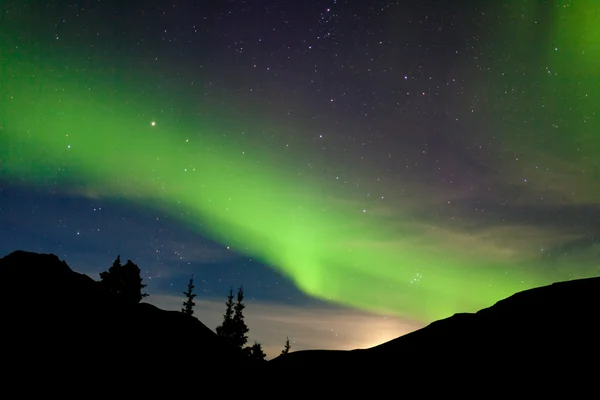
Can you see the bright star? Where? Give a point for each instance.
(153, 123)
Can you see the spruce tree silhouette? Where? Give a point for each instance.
(287, 347)
(188, 304)
(226, 328)
(240, 329)
(257, 353)
(123, 282)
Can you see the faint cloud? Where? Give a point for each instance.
(194, 252)
(306, 327)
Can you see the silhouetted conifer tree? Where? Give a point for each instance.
(226, 328)
(287, 347)
(188, 304)
(240, 329)
(257, 353)
(123, 282)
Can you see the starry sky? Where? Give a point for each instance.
(361, 168)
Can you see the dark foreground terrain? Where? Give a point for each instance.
(550, 328)
(54, 318)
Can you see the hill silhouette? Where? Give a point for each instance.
(538, 329)
(51, 313)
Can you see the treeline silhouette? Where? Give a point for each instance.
(124, 283)
(60, 323)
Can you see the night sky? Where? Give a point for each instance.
(361, 167)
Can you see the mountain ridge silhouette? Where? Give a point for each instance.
(54, 313)
(50, 312)
(530, 329)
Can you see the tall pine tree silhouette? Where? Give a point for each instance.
(226, 328)
(188, 304)
(123, 282)
(240, 329)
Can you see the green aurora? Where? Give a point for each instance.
(82, 131)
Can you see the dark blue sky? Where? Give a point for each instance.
(89, 234)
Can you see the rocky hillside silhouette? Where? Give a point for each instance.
(53, 317)
(539, 329)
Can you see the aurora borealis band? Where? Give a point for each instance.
(327, 248)
(468, 180)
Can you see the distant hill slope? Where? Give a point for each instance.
(53, 316)
(537, 329)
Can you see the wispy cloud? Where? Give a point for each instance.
(195, 251)
(308, 328)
